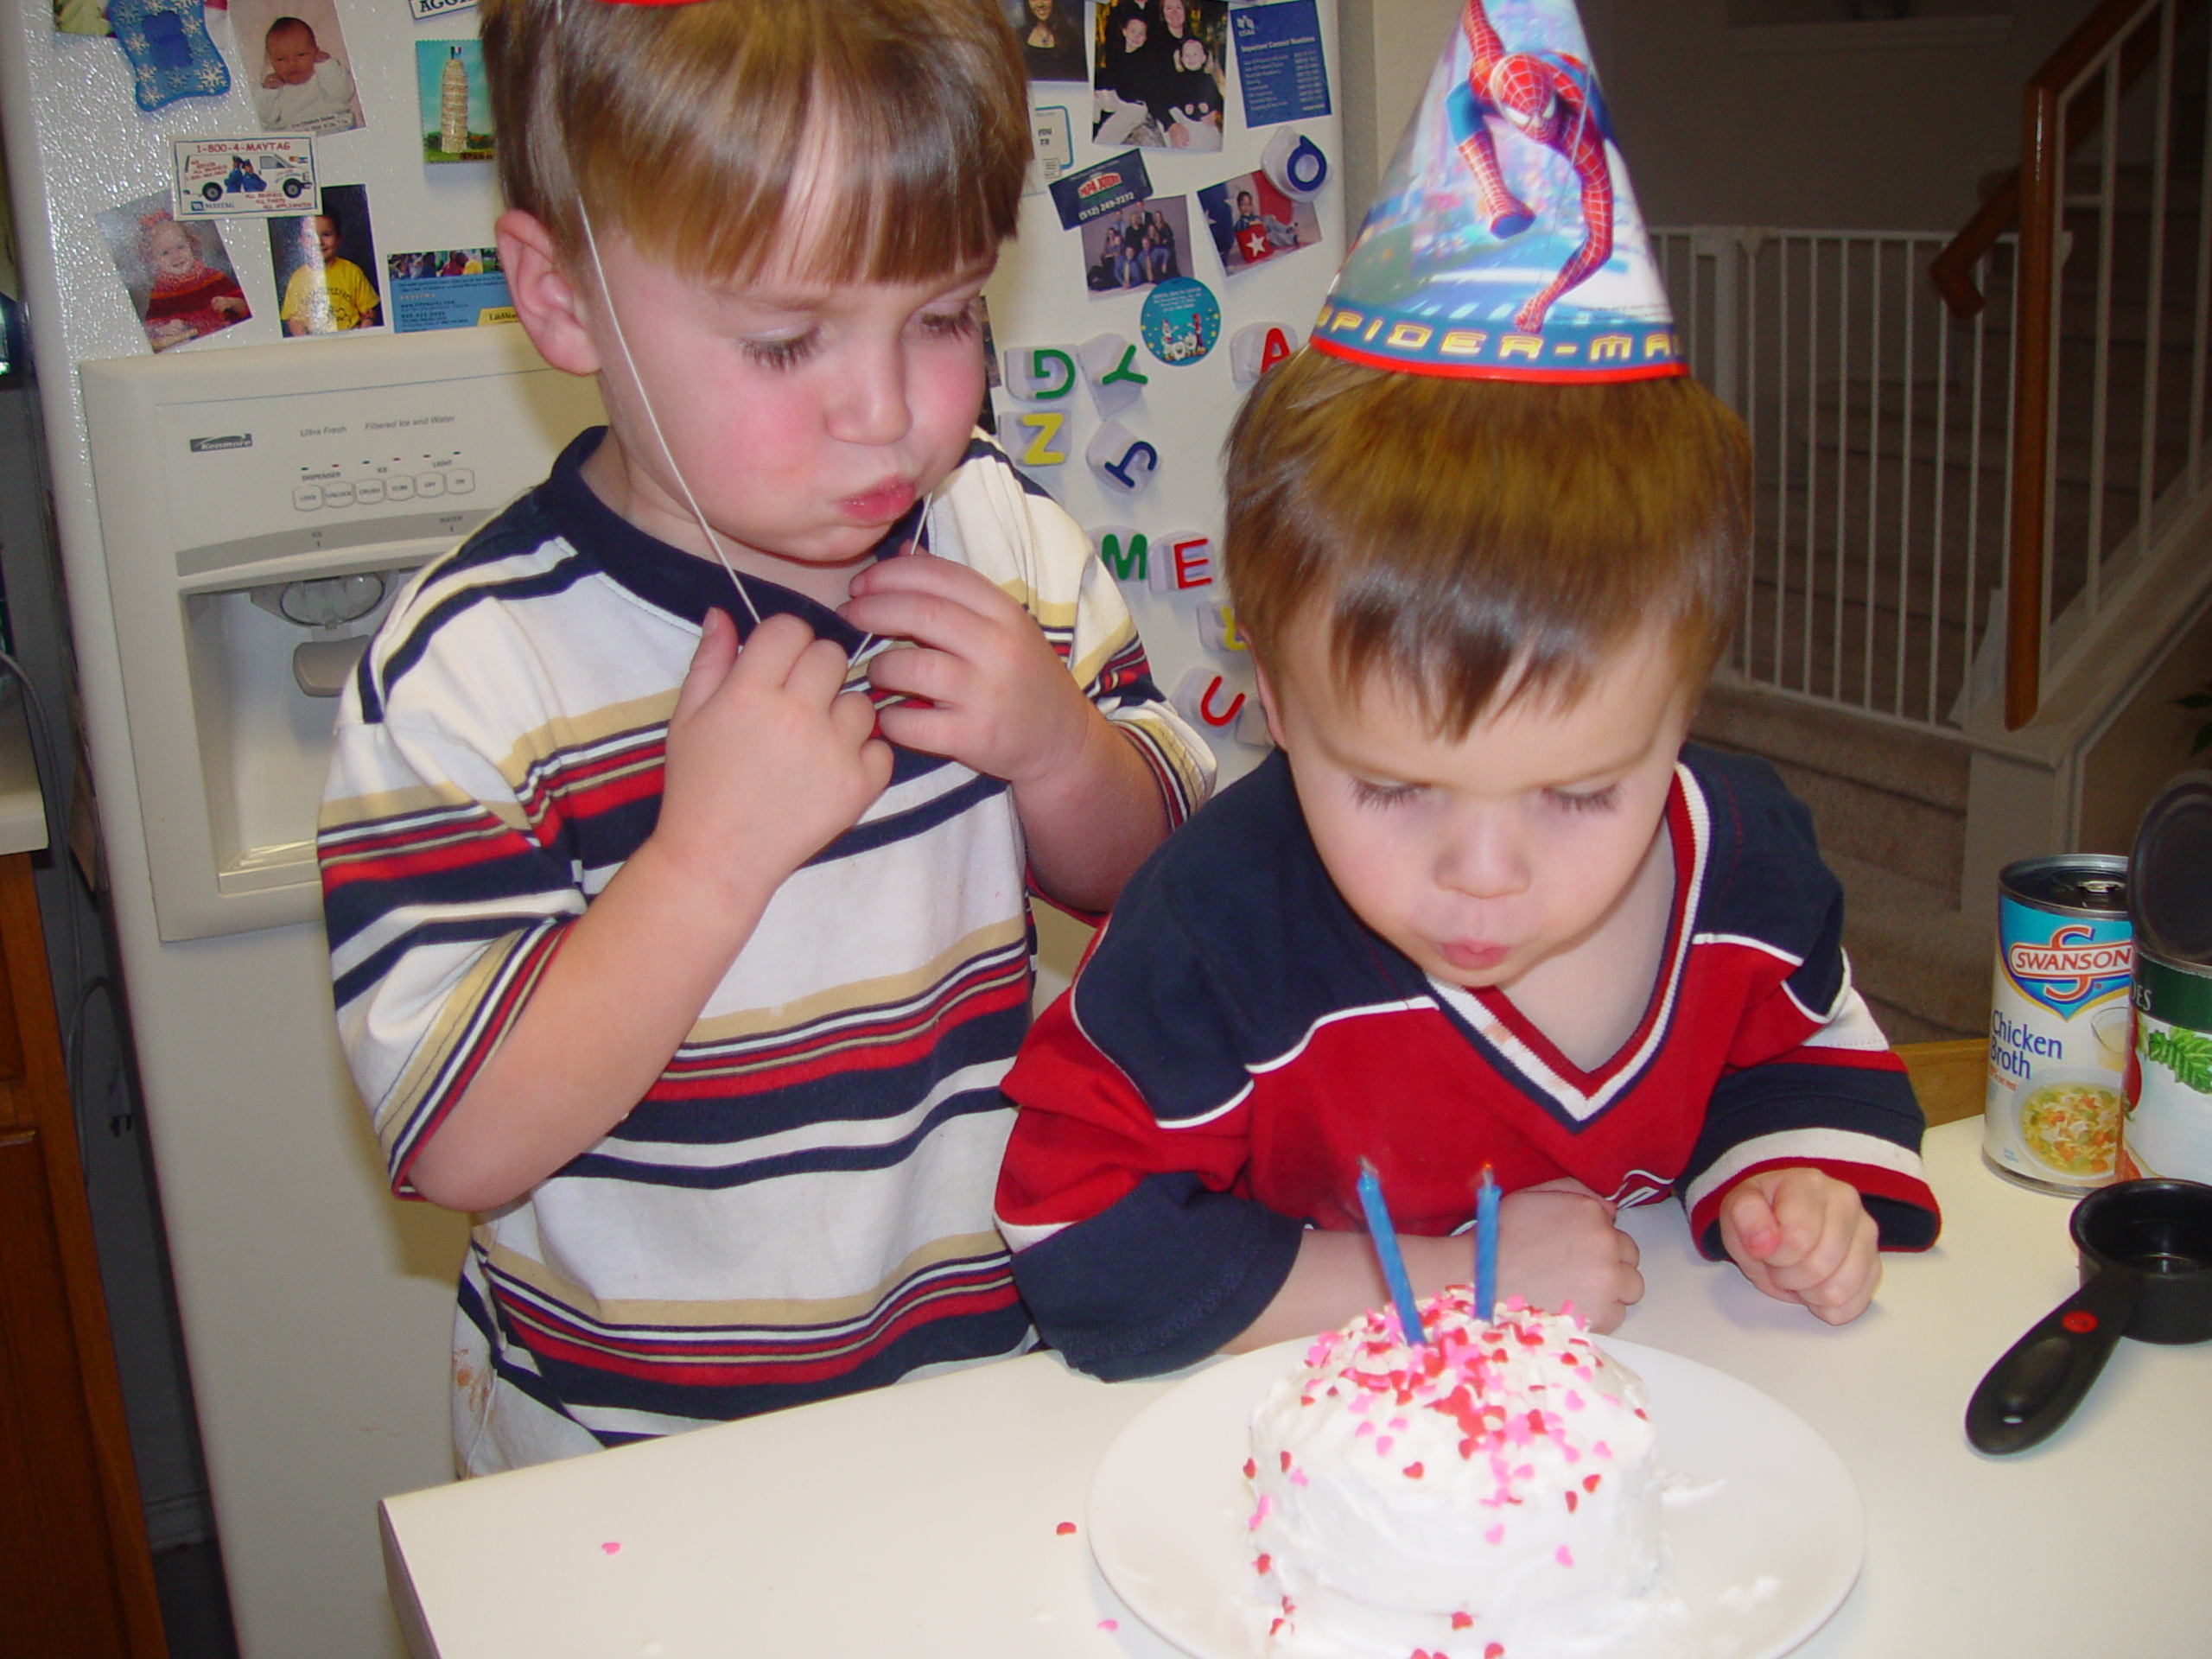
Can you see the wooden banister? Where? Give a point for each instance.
(1952, 271)
(2034, 198)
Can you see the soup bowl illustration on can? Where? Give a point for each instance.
(2069, 1121)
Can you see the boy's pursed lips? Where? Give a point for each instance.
(1473, 956)
(880, 504)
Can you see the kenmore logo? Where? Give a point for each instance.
(228, 441)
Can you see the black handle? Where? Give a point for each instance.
(2042, 1376)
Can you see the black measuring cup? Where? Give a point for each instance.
(2146, 1249)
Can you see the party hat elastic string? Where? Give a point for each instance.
(645, 402)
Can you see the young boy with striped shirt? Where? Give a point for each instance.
(675, 847)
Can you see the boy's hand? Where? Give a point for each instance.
(1556, 1244)
(768, 760)
(1802, 1236)
(1001, 700)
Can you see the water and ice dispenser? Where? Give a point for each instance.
(260, 507)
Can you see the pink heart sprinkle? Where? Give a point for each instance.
(1109, 1623)
(1495, 1535)
(610, 1547)
(1565, 1556)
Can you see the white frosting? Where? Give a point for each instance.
(1491, 1494)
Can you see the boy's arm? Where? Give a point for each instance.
(1557, 1247)
(1135, 1259)
(1809, 1152)
(1131, 1255)
(557, 1034)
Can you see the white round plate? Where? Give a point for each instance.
(1766, 1548)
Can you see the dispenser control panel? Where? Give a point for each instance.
(243, 495)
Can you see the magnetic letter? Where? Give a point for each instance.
(1044, 426)
(1109, 366)
(1038, 374)
(1190, 556)
(1124, 463)
(1258, 346)
(1217, 629)
(1122, 550)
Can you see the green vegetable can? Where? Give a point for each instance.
(2168, 1129)
(2169, 1076)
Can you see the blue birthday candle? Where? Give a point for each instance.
(1387, 1252)
(1485, 1245)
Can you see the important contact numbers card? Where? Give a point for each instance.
(1280, 68)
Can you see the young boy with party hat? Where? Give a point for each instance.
(1484, 906)
(677, 844)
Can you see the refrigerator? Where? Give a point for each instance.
(234, 508)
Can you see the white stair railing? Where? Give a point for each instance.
(1881, 430)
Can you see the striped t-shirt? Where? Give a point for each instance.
(800, 1206)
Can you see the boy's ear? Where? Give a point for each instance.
(1267, 705)
(546, 303)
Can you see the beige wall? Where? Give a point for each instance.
(1714, 134)
(2145, 745)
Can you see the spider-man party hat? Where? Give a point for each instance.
(1506, 244)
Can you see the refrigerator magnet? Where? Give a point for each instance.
(1124, 463)
(1136, 246)
(178, 276)
(1253, 222)
(1181, 321)
(1109, 368)
(325, 266)
(1159, 79)
(1051, 148)
(455, 102)
(170, 55)
(268, 173)
(297, 64)
(1095, 191)
(446, 288)
(1258, 346)
(1281, 71)
(1040, 374)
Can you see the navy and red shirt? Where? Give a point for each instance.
(1238, 1040)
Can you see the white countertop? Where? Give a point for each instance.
(22, 808)
(922, 1521)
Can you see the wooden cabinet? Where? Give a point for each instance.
(75, 1576)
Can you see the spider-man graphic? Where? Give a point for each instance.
(1550, 98)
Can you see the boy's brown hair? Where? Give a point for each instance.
(1470, 538)
(686, 127)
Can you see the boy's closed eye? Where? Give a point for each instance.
(1368, 793)
(1585, 800)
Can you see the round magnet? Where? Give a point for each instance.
(1181, 321)
(1295, 165)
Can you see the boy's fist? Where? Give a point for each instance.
(986, 687)
(769, 760)
(1557, 1244)
(1802, 1236)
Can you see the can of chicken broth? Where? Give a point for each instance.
(2059, 1022)
(2170, 1071)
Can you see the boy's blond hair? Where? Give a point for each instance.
(686, 128)
(1480, 541)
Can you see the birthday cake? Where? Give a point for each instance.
(1489, 1494)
